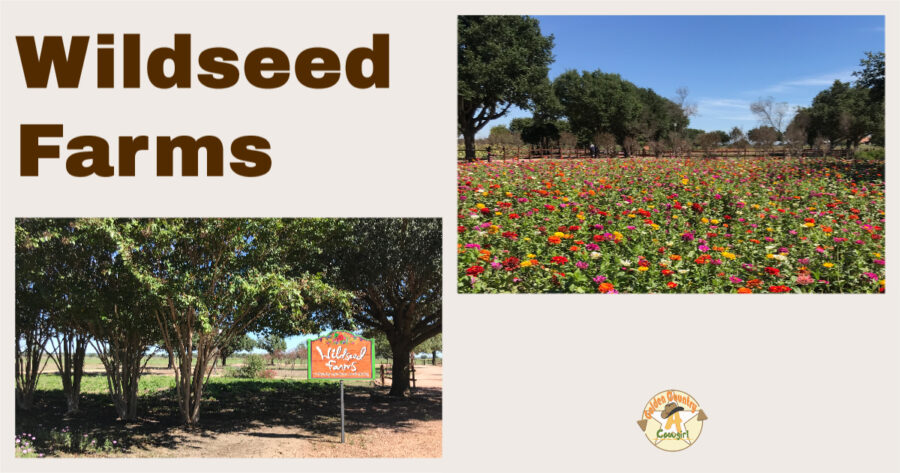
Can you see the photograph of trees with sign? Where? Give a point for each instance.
(687, 158)
(161, 337)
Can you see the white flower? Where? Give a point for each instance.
(625, 262)
(682, 271)
(595, 255)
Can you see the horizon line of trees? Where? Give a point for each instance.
(503, 61)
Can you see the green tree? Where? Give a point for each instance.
(273, 344)
(393, 268)
(763, 137)
(213, 280)
(597, 102)
(236, 344)
(432, 345)
(871, 78)
(33, 329)
(502, 61)
(843, 113)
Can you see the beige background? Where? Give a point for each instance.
(824, 369)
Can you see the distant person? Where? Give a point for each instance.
(593, 149)
(489, 153)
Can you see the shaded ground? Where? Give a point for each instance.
(248, 418)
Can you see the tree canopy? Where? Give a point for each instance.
(502, 61)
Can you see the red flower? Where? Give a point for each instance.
(672, 284)
(559, 259)
(777, 289)
(697, 208)
(461, 229)
(511, 263)
(667, 272)
(474, 270)
(772, 271)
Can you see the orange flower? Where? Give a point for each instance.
(675, 257)
(554, 240)
(745, 290)
(605, 287)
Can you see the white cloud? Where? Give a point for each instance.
(822, 80)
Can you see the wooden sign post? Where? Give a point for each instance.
(340, 355)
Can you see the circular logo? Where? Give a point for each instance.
(672, 420)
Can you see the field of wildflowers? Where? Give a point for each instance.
(657, 225)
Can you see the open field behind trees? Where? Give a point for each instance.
(648, 225)
(122, 326)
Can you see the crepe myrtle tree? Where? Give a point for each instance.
(393, 268)
(32, 327)
(60, 273)
(502, 61)
(213, 280)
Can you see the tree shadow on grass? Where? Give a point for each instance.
(232, 406)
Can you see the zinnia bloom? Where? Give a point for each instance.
(474, 270)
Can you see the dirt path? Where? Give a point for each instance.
(419, 439)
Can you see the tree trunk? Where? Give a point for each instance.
(171, 364)
(433, 357)
(469, 139)
(400, 370)
(224, 359)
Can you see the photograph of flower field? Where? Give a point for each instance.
(188, 337)
(600, 186)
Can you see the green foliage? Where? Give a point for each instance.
(272, 343)
(874, 153)
(253, 366)
(502, 61)
(393, 267)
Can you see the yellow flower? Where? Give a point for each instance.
(655, 226)
(704, 220)
(530, 256)
(674, 216)
(809, 224)
(631, 215)
(493, 229)
(728, 255)
(559, 234)
(715, 221)
(828, 265)
(642, 268)
(684, 182)
(525, 264)
(770, 256)
(480, 206)
(498, 213)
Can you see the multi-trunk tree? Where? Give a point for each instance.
(212, 280)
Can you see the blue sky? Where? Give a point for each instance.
(726, 62)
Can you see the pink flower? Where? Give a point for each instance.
(804, 279)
